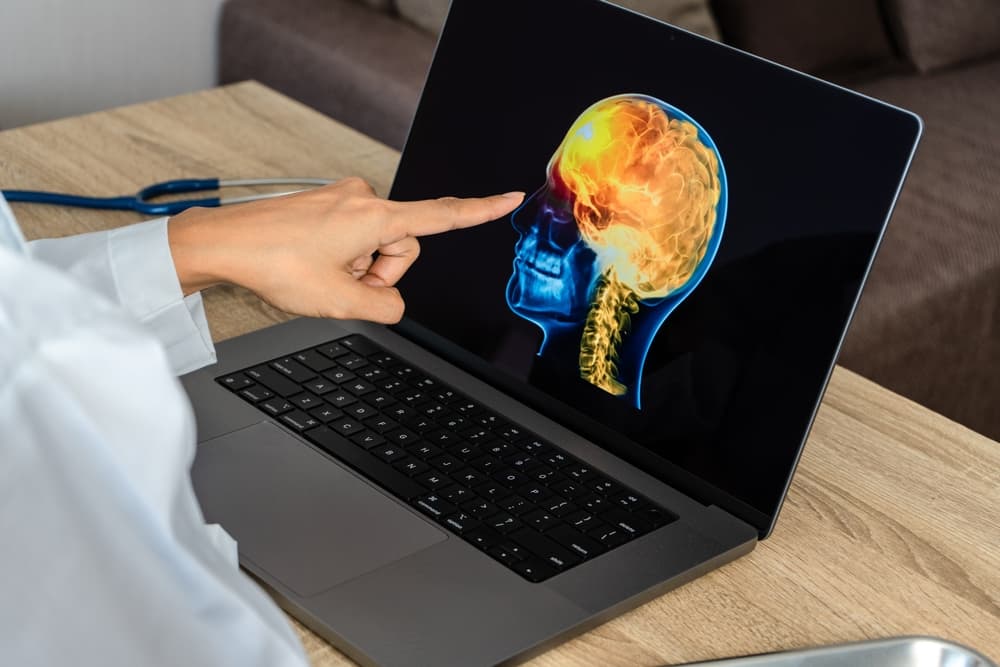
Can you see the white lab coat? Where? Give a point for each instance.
(105, 558)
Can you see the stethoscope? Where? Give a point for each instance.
(140, 201)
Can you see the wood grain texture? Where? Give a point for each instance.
(891, 527)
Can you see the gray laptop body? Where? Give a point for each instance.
(391, 585)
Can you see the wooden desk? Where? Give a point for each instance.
(892, 525)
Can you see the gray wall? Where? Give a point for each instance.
(65, 57)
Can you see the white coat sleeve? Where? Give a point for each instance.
(132, 267)
(105, 556)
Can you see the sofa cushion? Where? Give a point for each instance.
(360, 66)
(810, 35)
(928, 324)
(939, 33)
(691, 15)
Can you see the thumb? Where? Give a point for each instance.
(362, 300)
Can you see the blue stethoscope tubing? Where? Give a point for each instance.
(140, 203)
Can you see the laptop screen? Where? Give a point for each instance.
(697, 228)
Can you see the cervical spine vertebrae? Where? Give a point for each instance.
(607, 322)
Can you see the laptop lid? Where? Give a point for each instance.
(697, 231)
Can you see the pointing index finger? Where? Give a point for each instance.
(434, 216)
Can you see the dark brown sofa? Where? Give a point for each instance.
(928, 326)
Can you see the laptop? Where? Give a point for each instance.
(589, 402)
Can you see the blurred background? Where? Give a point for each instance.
(928, 326)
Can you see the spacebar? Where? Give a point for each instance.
(362, 461)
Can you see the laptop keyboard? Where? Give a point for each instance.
(507, 492)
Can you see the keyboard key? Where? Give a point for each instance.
(492, 490)
(583, 521)
(445, 463)
(339, 398)
(485, 464)
(500, 449)
(396, 482)
(401, 437)
(575, 541)
(467, 408)
(411, 467)
(557, 459)
(326, 413)
(535, 446)
(276, 406)
(413, 397)
(419, 423)
(458, 494)
(558, 506)
(516, 505)
(381, 424)
(491, 420)
(306, 401)
(274, 381)
(593, 503)
(435, 506)
(466, 452)
(540, 520)
(367, 439)
(454, 422)
(424, 450)
(339, 375)
(504, 554)
(346, 426)
(535, 492)
(352, 362)
(502, 522)
(432, 409)
(483, 538)
(256, 393)
(360, 345)
(609, 536)
(320, 386)
(631, 523)
(404, 372)
(379, 400)
(332, 350)
(603, 486)
(480, 508)
(548, 550)
(314, 361)
(236, 381)
(546, 476)
(391, 385)
(629, 501)
(359, 387)
(444, 395)
(522, 462)
(579, 472)
(372, 374)
(361, 411)
(433, 480)
(388, 452)
(384, 359)
(461, 522)
(510, 433)
(468, 477)
(293, 370)
(534, 569)
(401, 412)
(442, 437)
(570, 489)
(299, 420)
(510, 478)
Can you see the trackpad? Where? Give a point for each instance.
(299, 516)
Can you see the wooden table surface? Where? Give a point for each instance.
(892, 524)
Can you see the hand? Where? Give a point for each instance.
(314, 253)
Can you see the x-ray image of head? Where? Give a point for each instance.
(625, 227)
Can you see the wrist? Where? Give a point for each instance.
(199, 247)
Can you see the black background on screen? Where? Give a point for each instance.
(734, 373)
